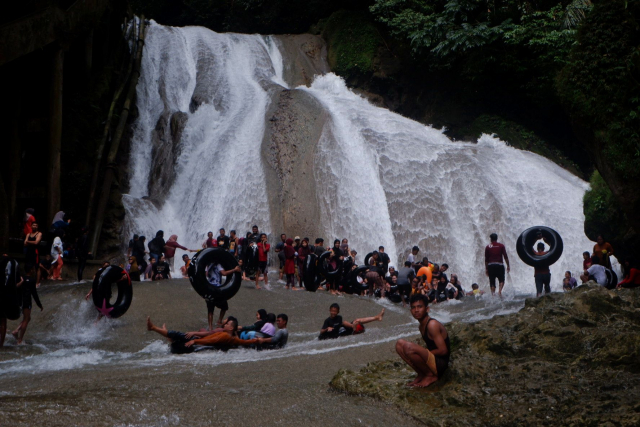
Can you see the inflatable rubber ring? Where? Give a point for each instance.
(366, 258)
(323, 269)
(311, 278)
(101, 293)
(524, 246)
(9, 295)
(197, 273)
(353, 279)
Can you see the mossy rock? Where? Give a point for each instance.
(564, 359)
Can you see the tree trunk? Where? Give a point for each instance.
(55, 133)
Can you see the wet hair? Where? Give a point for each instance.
(445, 265)
(474, 286)
(234, 322)
(586, 253)
(334, 305)
(415, 248)
(493, 237)
(283, 317)
(381, 248)
(319, 240)
(419, 297)
(271, 318)
(262, 234)
(232, 231)
(263, 314)
(540, 246)
(425, 261)
(185, 255)
(255, 226)
(595, 260)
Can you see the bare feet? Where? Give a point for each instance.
(15, 333)
(379, 316)
(415, 380)
(426, 382)
(258, 287)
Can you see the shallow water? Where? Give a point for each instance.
(73, 371)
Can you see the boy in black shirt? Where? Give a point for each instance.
(161, 269)
(335, 327)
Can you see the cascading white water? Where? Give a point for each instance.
(219, 176)
(401, 182)
(381, 179)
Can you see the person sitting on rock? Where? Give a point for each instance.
(569, 281)
(429, 363)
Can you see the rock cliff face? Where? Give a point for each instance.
(294, 126)
(564, 359)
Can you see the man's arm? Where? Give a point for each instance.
(237, 269)
(435, 334)
(506, 257)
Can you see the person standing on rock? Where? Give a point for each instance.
(429, 363)
(494, 268)
(156, 245)
(542, 275)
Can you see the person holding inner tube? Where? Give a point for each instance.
(542, 275)
(214, 274)
(494, 268)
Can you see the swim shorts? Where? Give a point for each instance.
(496, 271)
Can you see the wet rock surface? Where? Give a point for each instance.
(564, 359)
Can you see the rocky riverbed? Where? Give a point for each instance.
(564, 359)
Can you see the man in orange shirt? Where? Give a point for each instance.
(425, 272)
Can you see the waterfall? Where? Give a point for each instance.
(204, 102)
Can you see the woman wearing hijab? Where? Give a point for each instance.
(56, 258)
(133, 269)
(59, 224)
(170, 249)
(289, 262)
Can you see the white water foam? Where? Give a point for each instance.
(414, 186)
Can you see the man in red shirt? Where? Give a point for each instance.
(494, 268)
(263, 251)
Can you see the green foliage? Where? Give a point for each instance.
(602, 213)
(527, 42)
(601, 83)
(353, 42)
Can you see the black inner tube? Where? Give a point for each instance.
(312, 278)
(525, 249)
(9, 294)
(102, 291)
(204, 274)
